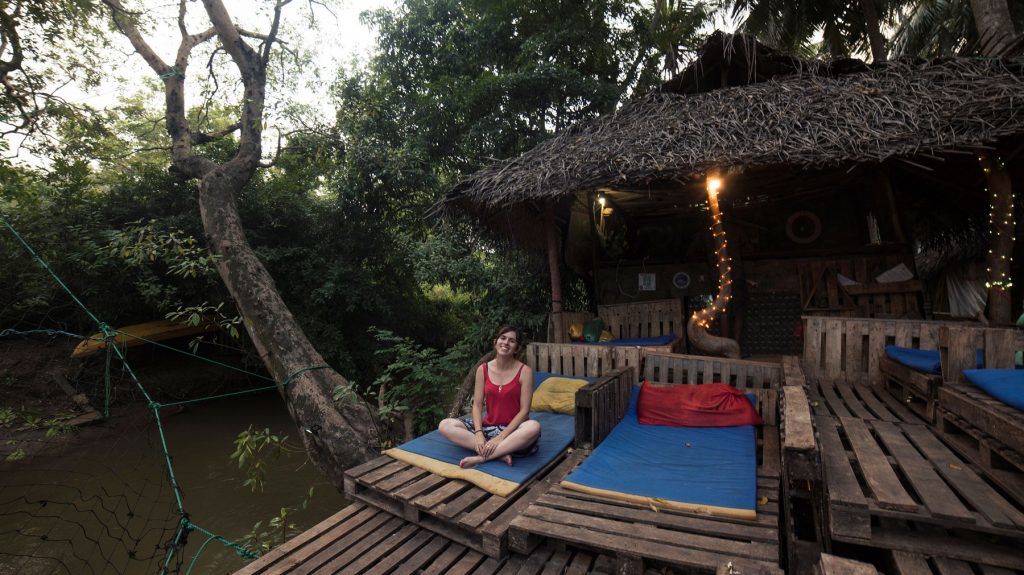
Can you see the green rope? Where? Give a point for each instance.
(50, 332)
(170, 73)
(46, 267)
(188, 353)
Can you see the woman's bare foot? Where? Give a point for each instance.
(508, 460)
(471, 461)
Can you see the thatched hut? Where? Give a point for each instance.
(834, 172)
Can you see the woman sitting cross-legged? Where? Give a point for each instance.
(505, 385)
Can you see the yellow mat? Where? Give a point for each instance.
(658, 503)
(485, 481)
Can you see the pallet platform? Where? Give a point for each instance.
(880, 473)
(640, 537)
(362, 539)
(858, 400)
(450, 507)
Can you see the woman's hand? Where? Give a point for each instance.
(490, 446)
(481, 443)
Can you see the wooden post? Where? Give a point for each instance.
(999, 192)
(555, 269)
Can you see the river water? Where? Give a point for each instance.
(104, 505)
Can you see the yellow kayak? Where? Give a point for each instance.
(142, 333)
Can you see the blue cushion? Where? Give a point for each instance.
(675, 463)
(1006, 385)
(926, 360)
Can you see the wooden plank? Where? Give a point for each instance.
(885, 486)
(399, 479)
(654, 550)
(965, 549)
(932, 490)
(308, 537)
(368, 466)
(568, 501)
(413, 556)
(905, 563)
(833, 349)
(969, 486)
(832, 565)
(447, 559)
(417, 487)
(946, 566)
(344, 542)
(447, 490)
(456, 506)
(383, 472)
(848, 508)
(372, 549)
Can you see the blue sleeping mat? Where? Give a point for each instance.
(436, 454)
(637, 341)
(709, 470)
(1006, 385)
(926, 360)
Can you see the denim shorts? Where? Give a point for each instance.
(491, 431)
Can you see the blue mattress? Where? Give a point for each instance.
(1006, 385)
(557, 432)
(707, 470)
(638, 341)
(926, 360)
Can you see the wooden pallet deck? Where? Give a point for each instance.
(362, 539)
(902, 473)
(451, 507)
(641, 537)
(838, 398)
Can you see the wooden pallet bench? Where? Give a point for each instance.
(839, 398)
(985, 431)
(641, 537)
(364, 540)
(916, 389)
(453, 508)
(896, 486)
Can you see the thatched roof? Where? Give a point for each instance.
(818, 116)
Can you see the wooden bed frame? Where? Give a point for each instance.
(629, 321)
(469, 515)
(893, 485)
(980, 427)
(641, 537)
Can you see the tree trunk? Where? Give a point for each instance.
(994, 24)
(467, 386)
(555, 269)
(875, 37)
(337, 435)
(697, 326)
(1001, 230)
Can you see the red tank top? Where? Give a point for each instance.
(502, 401)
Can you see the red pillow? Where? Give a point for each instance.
(705, 405)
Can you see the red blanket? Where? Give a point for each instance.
(706, 405)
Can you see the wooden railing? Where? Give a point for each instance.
(849, 348)
(569, 359)
(763, 379)
(601, 405)
(959, 347)
(628, 320)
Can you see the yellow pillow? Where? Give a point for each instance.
(557, 394)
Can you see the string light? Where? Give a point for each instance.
(1003, 282)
